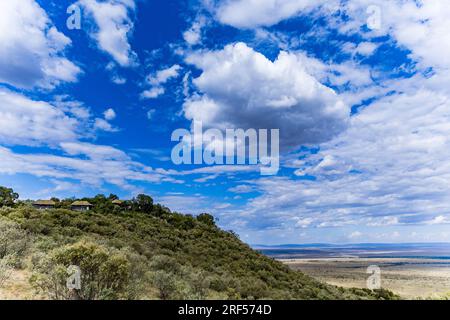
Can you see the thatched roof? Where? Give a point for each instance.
(117, 201)
(81, 204)
(44, 203)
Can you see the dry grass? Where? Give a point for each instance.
(17, 287)
(410, 278)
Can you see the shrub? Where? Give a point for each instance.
(13, 239)
(5, 270)
(165, 283)
(104, 273)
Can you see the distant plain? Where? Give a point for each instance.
(414, 271)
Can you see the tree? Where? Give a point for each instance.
(143, 203)
(113, 197)
(206, 219)
(101, 204)
(7, 197)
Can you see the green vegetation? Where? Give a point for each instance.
(7, 196)
(141, 250)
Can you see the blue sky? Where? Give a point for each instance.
(358, 89)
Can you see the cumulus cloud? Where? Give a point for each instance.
(389, 168)
(113, 28)
(32, 49)
(419, 26)
(241, 88)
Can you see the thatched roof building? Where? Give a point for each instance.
(44, 204)
(81, 206)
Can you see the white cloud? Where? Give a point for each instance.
(257, 13)
(355, 235)
(385, 221)
(390, 167)
(439, 220)
(118, 80)
(72, 107)
(193, 35)
(24, 121)
(366, 48)
(103, 165)
(102, 124)
(160, 78)
(31, 51)
(27, 122)
(153, 92)
(240, 88)
(419, 26)
(109, 114)
(243, 188)
(221, 206)
(150, 114)
(111, 67)
(95, 152)
(304, 223)
(114, 27)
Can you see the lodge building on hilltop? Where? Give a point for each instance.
(44, 204)
(79, 205)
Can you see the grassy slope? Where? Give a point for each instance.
(235, 270)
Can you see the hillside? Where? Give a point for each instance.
(154, 255)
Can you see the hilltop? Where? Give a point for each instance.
(156, 254)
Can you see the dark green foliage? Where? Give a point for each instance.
(143, 203)
(206, 219)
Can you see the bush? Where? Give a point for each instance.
(165, 283)
(13, 239)
(105, 273)
(206, 219)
